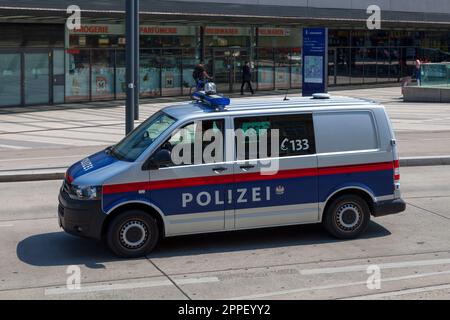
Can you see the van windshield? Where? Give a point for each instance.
(132, 146)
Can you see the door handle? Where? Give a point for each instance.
(220, 169)
(247, 167)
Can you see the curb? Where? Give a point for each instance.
(425, 161)
(31, 175)
(41, 175)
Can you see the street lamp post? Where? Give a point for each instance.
(132, 63)
(136, 60)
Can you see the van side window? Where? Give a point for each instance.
(181, 144)
(296, 135)
(345, 131)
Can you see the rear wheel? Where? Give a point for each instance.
(132, 234)
(347, 217)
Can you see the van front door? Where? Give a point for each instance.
(190, 190)
(284, 191)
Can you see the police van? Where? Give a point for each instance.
(332, 160)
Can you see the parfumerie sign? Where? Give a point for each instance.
(118, 29)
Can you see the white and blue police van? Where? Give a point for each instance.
(336, 164)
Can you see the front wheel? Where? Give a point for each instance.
(132, 234)
(347, 217)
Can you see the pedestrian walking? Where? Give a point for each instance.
(246, 77)
(417, 71)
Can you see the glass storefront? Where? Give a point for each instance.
(167, 60)
(31, 76)
(30, 65)
(10, 69)
(170, 53)
(381, 56)
(96, 55)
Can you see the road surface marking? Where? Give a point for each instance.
(127, 286)
(6, 225)
(394, 265)
(400, 293)
(335, 286)
(7, 146)
(39, 158)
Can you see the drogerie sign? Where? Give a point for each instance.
(92, 29)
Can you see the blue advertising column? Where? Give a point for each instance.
(314, 61)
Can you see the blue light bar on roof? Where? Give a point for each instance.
(212, 100)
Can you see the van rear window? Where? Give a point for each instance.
(345, 131)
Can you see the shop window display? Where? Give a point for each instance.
(102, 77)
(77, 75)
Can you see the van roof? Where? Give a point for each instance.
(241, 106)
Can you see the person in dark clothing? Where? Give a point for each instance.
(246, 77)
(200, 73)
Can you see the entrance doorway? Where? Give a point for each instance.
(225, 64)
(332, 67)
(36, 78)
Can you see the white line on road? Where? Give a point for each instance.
(39, 158)
(127, 286)
(400, 293)
(6, 225)
(7, 146)
(363, 267)
(335, 286)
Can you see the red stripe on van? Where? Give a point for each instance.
(125, 187)
(356, 168)
(244, 177)
(191, 182)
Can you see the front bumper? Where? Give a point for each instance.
(82, 218)
(384, 208)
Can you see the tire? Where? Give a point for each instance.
(347, 217)
(132, 234)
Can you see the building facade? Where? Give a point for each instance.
(43, 62)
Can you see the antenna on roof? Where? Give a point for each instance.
(285, 96)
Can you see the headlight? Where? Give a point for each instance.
(86, 192)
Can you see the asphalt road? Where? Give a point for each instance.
(411, 249)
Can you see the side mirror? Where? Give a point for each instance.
(162, 158)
